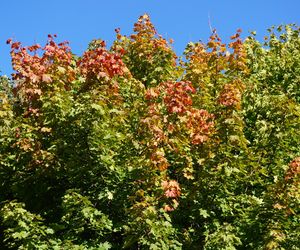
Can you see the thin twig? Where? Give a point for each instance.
(209, 24)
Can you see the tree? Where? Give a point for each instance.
(130, 148)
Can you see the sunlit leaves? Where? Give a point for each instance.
(125, 147)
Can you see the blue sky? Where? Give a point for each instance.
(80, 21)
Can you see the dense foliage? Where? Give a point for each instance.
(133, 148)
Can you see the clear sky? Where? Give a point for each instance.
(80, 21)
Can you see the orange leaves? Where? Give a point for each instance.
(287, 192)
(215, 43)
(171, 189)
(237, 59)
(46, 78)
(152, 93)
(213, 61)
(201, 125)
(25, 144)
(144, 26)
(294, 169)
(230, 96)
(154, 125)
(159, 160)
(171, 117)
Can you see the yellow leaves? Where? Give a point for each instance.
(188, 173)
(276, 236)
(223, 49)
(158, 159)
(201, 161)
(169, 208)
(61, 70)
(46, 130)
(25, 144)
(279, 206)
(46, 78)
(197, 71)
(211, 44)
(145, 16)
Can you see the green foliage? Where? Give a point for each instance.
(24, 229)
(126, 148)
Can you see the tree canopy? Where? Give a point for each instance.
(133, 147)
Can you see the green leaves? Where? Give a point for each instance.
(80, 216)
(24, 229)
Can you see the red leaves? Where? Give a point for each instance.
(32, 67)
(177, 98)
(40, 70)
(34, 47)
(59, 53)
(33, 71)
(101, 64)
(176, 95)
